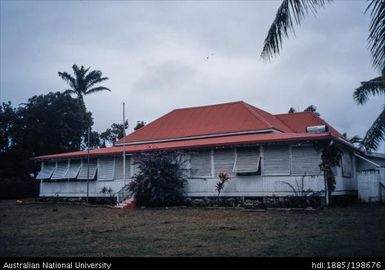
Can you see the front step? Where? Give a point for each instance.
(127, 203)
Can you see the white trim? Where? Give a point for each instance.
(367, 160)
(261, 159)
(212, 162)
(235, 159)
(201, 136)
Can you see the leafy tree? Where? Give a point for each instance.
(83, 82)
(7, 120)
(113, 134)
(139, 124)
(46, 124)
(330, 157)
(160, 180)
(293, 12)
(311, 108)
(292, 110)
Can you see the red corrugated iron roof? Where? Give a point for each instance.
(206, 120)
(298, 122)
(197, 143)
(214, 125)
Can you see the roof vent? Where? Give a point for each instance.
(317, 129)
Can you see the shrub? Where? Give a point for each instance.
(160, 180)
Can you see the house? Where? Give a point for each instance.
(263, 153)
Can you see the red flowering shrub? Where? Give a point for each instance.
(223, 178)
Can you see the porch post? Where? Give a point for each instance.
(124, 168)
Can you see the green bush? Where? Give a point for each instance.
(18, 188)
(160, 180)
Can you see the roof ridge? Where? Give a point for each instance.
(257, 115)
(279, 114)
(212, 105)
(253, 109)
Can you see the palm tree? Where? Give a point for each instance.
(294, 11)
(83, 82)
(376, 133)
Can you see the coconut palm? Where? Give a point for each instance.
(376, 133)
(292, 12)
(83, 82)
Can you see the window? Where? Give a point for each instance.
(247, 160)
(305, 160)
(224, 160)
(84, 170)
(46, 170)
(73, 169)
(347, 165)
(119, 167)
(60, 171)
(276, 160)
(106, 168)
(200, 163)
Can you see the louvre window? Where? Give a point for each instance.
(276, 160)
(305, 160)
(60, 170)
(73, 169)
(106, 169)
(200, 163)
(84, 170)
(224, 160)
(46, 171)
(119, 167)
(247, 160)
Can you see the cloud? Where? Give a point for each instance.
(164, 55)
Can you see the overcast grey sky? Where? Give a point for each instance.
(155, 54)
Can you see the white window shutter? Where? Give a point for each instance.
(200, 163)
(73, 169)
(84, 170)
(106, 168)
(305, 160)
(247, 160)
(46, 171)
(60, 170)
(276, 160)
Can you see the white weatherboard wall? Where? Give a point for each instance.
(278, 166)
(110, 178)
(281, 165)
(369, 188)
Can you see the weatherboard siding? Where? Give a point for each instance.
(216, 161)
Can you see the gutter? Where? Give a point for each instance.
(368, 160)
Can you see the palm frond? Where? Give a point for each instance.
(373, 87)
(70, 91)
(76, 69)
(289, 11)
(97, 89)
(93, 78)
(68, 79)
(283, 23)
(377, 32)
(376, 134)
(99, 80)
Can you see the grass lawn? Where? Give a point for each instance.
(46, 229)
